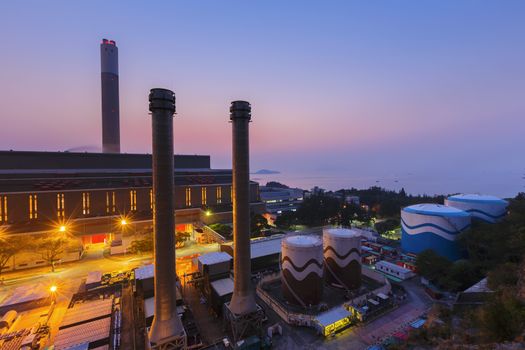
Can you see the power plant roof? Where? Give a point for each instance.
(303, 240)
(145, 272)
(476, 198)
(343, 232)
(435, 210)
(214, 258)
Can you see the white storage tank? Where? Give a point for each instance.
(483, 207)
(342, 257)
(302, 269)
(433, 226)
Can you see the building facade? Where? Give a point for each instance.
(92, 192)
(280, 200)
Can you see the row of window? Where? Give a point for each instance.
(110, 202)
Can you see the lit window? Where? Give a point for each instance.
(61, 213)
(219, 194)
(133, 200)
(33, 207)
(110, 202)
(3, 209)
(203, 193)
(188, 197)
(85, 203)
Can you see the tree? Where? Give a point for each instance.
(257, 224)
(9, 247)
(52, 246)
(141, 246)
(503, 318)
(431, 265)
(181, 237)
(222, 229)
(276, 184)
(286, 220)
(502, 276)
(387, 225)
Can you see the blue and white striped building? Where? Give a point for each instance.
(433, 226)
(486, 208)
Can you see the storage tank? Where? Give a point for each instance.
(302, 269)
(486, 208)
(433, 226)
(342, 257)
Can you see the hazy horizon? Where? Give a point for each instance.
(431, 94)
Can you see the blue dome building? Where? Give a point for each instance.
(433, 226)
(482, 207)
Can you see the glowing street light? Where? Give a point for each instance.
(208, 212)
(62, 228)
(123, 222)
(53, 289)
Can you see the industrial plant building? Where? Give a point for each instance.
(90, 193)
(280, 200)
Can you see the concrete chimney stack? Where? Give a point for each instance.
(166, 323)
(110, 97)
(243, 299)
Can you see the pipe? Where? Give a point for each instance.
(243, 299)
(166, 323)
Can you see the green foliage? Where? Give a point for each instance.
(9, 247)
(141, 246)
(275, 184)
(446, 274)
(386, 203)
(503, 318)
(222, 229)
(257, 224)
(52, 246)
(503, 276)
(387, 225)
(286, 220)
(181, 237)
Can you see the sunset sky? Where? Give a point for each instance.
(369, 88)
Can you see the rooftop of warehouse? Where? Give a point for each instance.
(214, 258)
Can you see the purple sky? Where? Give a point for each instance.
(361, 89)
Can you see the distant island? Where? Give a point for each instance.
(266, 172)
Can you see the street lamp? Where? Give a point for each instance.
(123, 222)
(53, 289)
(62, 228)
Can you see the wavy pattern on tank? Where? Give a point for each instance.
(309, 289)
(349, 275)
(342, 260)
(444, 233)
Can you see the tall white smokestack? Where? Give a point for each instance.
(110, 97)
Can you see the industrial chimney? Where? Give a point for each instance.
(243, 299)
(110, 97)
(167, 327)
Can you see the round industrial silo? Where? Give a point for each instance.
(342, 257)
(302, 269)
(433, 226)
(482, 207)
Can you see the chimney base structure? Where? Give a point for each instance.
(243, 313)
(167, 331)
